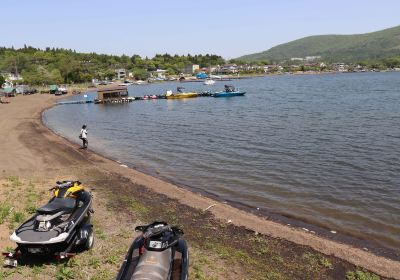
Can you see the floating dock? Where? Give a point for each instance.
(75, 102)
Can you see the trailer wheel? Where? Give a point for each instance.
(90, 240)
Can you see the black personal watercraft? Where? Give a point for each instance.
(158, 254)
(61, 227)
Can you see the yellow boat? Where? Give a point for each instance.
(180, 94)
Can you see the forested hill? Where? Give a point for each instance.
(336, 48)
(53, 65)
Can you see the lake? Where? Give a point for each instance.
(323, 149)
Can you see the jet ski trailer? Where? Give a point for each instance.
(60, 228)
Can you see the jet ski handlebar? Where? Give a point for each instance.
(155, 231)
(64, 184)
(158, 228)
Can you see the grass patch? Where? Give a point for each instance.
(273, 275)
(65, 273)
(361, 275)
(244, 257)
(37, 270)
(134, 205)
(316, 260)
(325, 263)
(6, 273)
(113, 259)
(222, 251)
(9, 249)
(277, 258)
(32, 195)
(73, 262)
(138, 207)
(14, 180)
(94, 262)
(198, 273)
(264, 251)
(18, 217)
(30, 208)
(100, 233)
(103, 274)
(4, 212)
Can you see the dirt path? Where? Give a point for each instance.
(30, 150)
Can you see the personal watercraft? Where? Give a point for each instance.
(61, 227)
(158, 254)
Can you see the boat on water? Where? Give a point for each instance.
(229, 91)
(140, 82)
(148, 97)
(126, 83)
(209, 82)
(180, 94)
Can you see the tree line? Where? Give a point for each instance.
(58, 65)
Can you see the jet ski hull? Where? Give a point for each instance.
(50, 231)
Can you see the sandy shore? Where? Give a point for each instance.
(30, 149)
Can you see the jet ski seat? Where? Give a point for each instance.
(57, 205)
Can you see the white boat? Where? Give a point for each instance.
(125, 84)
(139, 82)
(209, 82)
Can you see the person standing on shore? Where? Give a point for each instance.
(83, 137)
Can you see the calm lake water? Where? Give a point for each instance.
(323, 149)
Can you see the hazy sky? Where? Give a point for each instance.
(228, 28)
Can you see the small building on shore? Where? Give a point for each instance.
(191, 68)
(112, 94)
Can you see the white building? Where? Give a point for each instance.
(312, 58)
(121, 74)
(228, 68)
(159, 74)
(10, 76)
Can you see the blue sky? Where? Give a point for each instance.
(228, 28)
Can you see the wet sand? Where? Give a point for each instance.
(30, 149)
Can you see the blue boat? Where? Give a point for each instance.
(229, 92)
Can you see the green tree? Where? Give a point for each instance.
(140, 74)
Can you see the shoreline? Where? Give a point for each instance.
(222, 212)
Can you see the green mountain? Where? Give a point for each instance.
(336, 48)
